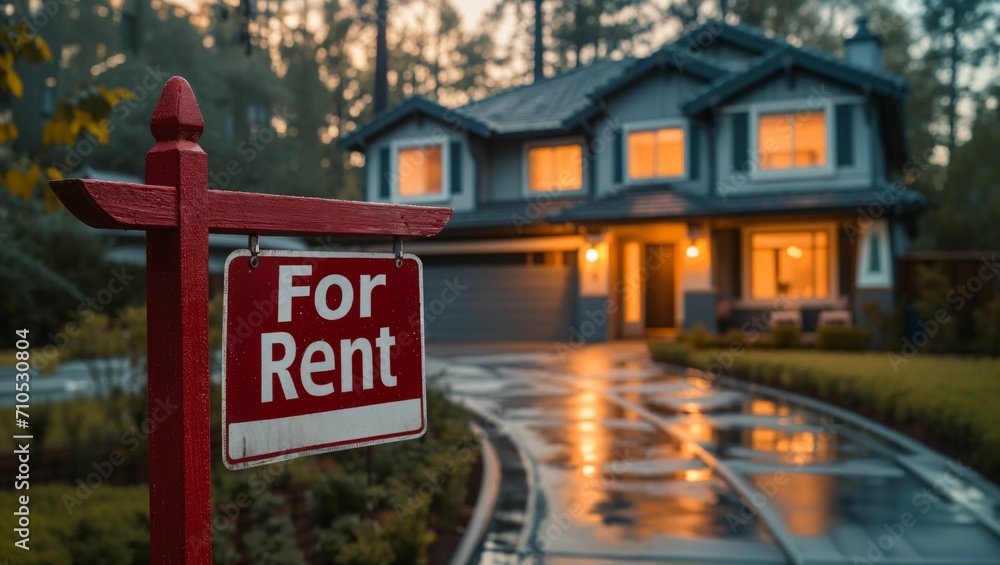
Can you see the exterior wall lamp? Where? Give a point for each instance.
(694, 234)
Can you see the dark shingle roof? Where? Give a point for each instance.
(547, 103)
(413, 105)
(562, 102)
(782, 58)
(515, 214)
(659, 204)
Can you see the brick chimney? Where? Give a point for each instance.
(864, 48)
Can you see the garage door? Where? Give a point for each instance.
(513, 298)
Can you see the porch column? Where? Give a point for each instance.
(878, 245)
(698, 306)
(594, 308)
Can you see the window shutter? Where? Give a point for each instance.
(455, 164)
(694, 151)
(384, 187)
(619, 156)
(741, 141)
(845, 135)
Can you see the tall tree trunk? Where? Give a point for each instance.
(539, 70)
(953, 81)
(381, 57)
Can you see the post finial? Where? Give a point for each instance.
(177, 116)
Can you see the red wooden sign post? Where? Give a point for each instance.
(178, 211)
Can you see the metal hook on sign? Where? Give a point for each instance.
(254, 251)
(397, 250)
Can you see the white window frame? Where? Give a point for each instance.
(420, 142)
(757, 110)
(746, 232)
(552, 142)
(866, 278)
(653, 125)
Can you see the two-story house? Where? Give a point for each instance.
(725, 177)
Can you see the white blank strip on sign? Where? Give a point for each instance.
(250, 439)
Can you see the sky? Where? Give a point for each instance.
(472, 11)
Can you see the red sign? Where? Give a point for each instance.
(322, 352)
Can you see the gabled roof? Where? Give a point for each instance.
(561, 103)
(666, 57)
(547, 104)
(413, 105)
(785, 57)
(741, 35)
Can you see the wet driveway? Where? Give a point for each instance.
(626, 460)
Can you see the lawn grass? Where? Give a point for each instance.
(953, 403)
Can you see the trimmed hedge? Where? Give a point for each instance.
(842, 338)
(951, 402)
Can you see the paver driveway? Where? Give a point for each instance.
(628, 461)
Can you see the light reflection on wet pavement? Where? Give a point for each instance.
(631, 463)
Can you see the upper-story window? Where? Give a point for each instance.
(656, 153)
(419, 170)
(795, 140)
(556, 168)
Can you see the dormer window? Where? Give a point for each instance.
(792, 140)
(419, 170)
(656, 153)
(555, 168)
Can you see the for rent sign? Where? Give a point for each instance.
(322, 352)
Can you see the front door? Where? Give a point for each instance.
(660, 314)
(648, 289)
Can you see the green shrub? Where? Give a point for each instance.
(933, 289)
(785, 337)
(987, 325)
(111, 526)
(843, 338)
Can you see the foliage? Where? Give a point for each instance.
(843, 338)
(272, 541)
(954, 402)
(114, 350)
(82, 110)
(933, 287)
(111, 528)
(987, 326)
(53, 265)
(783, 337)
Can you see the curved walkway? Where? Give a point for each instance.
(629, 461)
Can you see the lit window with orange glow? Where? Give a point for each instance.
(792, 141)
(795, 264)
(656, 153)
(419, 171)
(555, 168)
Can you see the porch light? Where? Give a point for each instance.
(794, 251)
(694, 234)
(591, 255)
